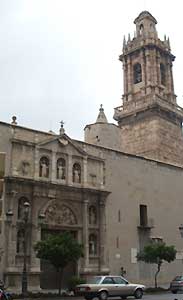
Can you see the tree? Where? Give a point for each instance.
(156, 253)
(59, 250)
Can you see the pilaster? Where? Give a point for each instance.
(53, 166)
(70, 169)
(85, 235)
(102, 231)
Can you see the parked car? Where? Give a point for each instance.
(109, 286)
(176, 284)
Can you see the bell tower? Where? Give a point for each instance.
(149, 118)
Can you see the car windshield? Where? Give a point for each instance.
(178, 278)
(94, 280)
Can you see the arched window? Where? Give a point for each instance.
(92, 215)
(76, 173)
(21, 202)
(141, 28)
(163, 74)
(137, 73)
(20, 241)
(44, 167)
(61, 168)
(92, 244)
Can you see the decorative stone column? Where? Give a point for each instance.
(53, 166)
(125, 82)
(85, 172)
(102, 230)
(129, 78)
(36, 163)
(148, 71)
(69, 179)
(35, 237)
(85, 235)
(158, 76)
(10, 246)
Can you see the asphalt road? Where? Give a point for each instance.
(156, 296)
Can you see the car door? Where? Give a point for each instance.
(109, 285)
(121, 286)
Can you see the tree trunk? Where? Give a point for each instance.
(60, 276)
(156, 275)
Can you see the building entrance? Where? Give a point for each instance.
(49, 277)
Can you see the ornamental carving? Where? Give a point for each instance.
(59, 214)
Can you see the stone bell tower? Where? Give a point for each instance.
(149, 118)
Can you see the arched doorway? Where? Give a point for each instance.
(58, 218)
(49, 276)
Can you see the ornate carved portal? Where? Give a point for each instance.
(59, 214)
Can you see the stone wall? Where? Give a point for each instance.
(155, 138)
(135, 181)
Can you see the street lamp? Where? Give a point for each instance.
(25, 218)
(25, 225)
(25, 222)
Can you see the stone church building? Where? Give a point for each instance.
(115, 192)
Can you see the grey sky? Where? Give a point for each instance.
(59, 58)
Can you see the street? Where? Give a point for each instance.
(162, 296)
(156, 296)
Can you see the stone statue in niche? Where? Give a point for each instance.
(76, 173)
(61, 169)
(44, 167)
(76, 176)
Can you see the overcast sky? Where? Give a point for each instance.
(59, 58)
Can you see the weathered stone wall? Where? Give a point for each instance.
(154, 138)
(103, 134)
(135, 181)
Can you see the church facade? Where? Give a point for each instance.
(115, 192)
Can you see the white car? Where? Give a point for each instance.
(109, 286)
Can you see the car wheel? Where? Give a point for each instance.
(174, 292)
(138, 294)
(103, 295)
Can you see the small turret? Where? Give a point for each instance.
(145, 24)
(102, 133)
(101, 116)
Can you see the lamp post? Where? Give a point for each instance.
(25, 226)
(25, 223)
(25, 218)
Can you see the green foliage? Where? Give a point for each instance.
(156, 253)
(75, 281)
(59, 250)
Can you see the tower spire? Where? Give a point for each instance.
(149, 96)
(101, 116)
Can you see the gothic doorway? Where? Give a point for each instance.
(49, 276)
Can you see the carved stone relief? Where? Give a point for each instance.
(59, 214)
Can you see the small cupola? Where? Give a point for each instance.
(145, 25)
(101, 116)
